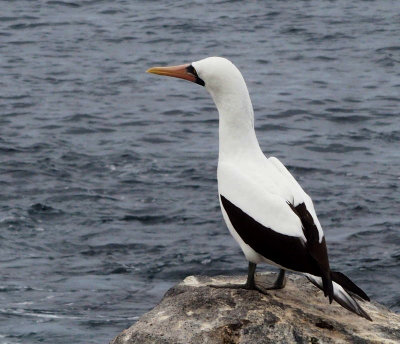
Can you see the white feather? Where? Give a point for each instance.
(258, 198)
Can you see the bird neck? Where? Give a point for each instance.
(237, 138)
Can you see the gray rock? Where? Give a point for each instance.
(194, 313)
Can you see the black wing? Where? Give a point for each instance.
(287, 251)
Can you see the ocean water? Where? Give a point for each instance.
(108, 174)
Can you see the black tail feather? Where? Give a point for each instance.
(350, 304)
(341, 296)
(348, 285)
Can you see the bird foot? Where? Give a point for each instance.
(229, 286)
(239, 286)
(257, 282)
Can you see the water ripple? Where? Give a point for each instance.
(108, 174)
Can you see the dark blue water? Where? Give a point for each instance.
(108, 174)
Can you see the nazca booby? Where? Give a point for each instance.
(264, 207)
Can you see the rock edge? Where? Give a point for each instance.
(192, 312)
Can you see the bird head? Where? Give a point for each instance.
(215, 73)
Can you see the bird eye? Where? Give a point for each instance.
(190, 69)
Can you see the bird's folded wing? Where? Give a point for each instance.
(271, 225)
(260, 201)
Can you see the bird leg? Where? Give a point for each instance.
(251, 283)
(279, 283)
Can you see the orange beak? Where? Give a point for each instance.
(180, 72)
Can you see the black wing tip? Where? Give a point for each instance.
(365, 297)
(327, 286)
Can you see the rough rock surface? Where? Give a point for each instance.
(194, 313)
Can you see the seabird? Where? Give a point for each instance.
(264, 207)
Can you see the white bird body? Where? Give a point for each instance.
(264, 207)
